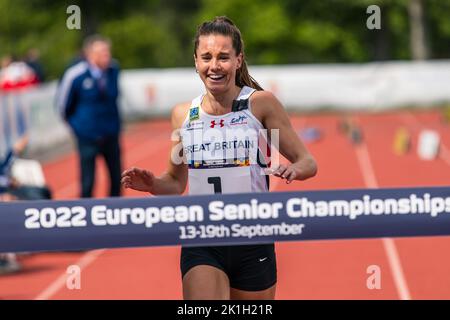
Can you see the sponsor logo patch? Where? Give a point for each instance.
(194, 114)
(88, 83)
(238, 120)
(194, 125)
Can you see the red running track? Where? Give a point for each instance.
(411, 268)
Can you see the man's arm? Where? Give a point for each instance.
(66, 94)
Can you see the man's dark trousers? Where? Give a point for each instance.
(88, 150)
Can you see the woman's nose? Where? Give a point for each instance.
(215, 64)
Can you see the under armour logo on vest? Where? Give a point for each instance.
(213, 123)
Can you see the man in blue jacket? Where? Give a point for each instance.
(87, 99)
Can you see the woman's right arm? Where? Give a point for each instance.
(174, 180)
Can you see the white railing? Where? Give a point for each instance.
(151, 92)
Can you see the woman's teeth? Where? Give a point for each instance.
(216, 77)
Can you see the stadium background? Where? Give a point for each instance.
(352, 93)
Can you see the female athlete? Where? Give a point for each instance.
(217, 159)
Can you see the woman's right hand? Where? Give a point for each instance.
(138, 179)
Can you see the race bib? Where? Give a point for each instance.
(220, 180)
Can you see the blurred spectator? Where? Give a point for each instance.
(8, 261)
(5, 168)
(87, 99)
(15, 78)
(12, 190)
(32, 59)
(16, 75)
(9, 184)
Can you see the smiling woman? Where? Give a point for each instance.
(220, 62)
(214, 161)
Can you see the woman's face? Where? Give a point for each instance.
(217, 62)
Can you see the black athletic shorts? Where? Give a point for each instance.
(248, 267)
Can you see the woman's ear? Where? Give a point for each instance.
(195, 62)
(240, 59)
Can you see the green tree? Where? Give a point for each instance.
(159, 33)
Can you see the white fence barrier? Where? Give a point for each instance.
(153, 92)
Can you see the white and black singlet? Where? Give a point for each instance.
(223, 152)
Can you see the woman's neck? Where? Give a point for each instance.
(220, 104)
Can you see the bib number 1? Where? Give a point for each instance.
(220, 180)
(216, 181)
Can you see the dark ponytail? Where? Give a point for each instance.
(224, 26)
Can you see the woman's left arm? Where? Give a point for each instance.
(267, 108)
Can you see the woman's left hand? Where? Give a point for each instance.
(287, 171)
(299, 170)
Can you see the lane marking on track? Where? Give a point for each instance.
(396, 268)
(60, 282)
(366, 167)
(362, 154)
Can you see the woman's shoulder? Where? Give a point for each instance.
(179, 113)
(264, 103)
(262, 97)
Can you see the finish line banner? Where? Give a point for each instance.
(232, 219)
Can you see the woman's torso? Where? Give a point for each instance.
(225, 153)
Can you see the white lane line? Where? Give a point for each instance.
(396, 268)
(60, 282)
(366, 166)
(395, 264)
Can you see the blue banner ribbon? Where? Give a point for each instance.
(232, 219)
